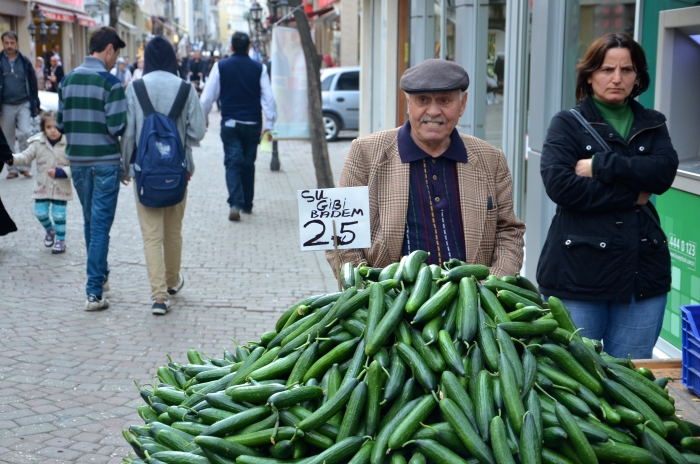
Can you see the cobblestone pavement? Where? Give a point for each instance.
(67, 376)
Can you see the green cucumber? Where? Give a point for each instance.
(482, 398)
(340, 353)
(356, 363)
(178, 457)
(453, 389)
(557, 377)
(450, 354)
(487, 340)
(279, 368)
(628, 399)
(436, 303)
(387, 325)
(576, 437)
(466, 432)
(408, 426)
(468, 304)
(339, 452)
(265, 437)
(511, 394)
(496, 286)
(618, 452)
(285, 399)
(530, 441)
(328, 410)
(431, 329)
(490, 304)
(354, 412)
(397, 376)
(382, 439)
(375, 382)
(413, 263)
(223, 447)
(467, 271)
(499, 442)
(438, 453)
(421, 372)
(307, 358)
(508, 348)
(375, 311)
(421, 290)
(528, 329)
(429, 353)
(570, 366)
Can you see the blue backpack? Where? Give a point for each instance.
(160, 165)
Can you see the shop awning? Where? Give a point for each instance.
(129, 26)
(85, 20)
(319, 12)
(170, 28)
(56, 14)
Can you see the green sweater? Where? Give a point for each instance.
(92, 114)
(620, 117)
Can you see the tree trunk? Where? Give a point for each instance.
(113, 13)
(319, 147)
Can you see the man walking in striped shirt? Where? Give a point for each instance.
(92, 115)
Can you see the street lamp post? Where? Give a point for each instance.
(44, 30)
(261, 35)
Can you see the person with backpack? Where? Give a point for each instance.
(164, 119)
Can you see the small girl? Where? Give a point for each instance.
(53, 186)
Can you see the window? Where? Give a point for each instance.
(348, 81)
(326, 84)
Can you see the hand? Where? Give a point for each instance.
(643, 198)
(189, 73)
(52, 173)
(583, 168)
(125, 181)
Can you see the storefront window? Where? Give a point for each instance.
(495, 59)
(5, 24)
(587, 20)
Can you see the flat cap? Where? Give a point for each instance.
(434, 76)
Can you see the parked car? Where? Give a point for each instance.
(340, 94)
(48, 101)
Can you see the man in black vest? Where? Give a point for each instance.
(243, 87)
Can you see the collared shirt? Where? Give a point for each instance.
(212, 89)
(434, 216)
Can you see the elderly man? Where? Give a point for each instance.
(432, 188)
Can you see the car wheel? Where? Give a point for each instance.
(331, 124)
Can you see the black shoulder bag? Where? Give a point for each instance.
(605, 146)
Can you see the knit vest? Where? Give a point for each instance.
(240, 88)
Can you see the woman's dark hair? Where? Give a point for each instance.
(595, 56)
(104, 36)
(240, 42)
(10, 34)
(44, 117)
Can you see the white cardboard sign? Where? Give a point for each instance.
(348, 207)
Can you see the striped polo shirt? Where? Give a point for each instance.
(434, 216)
(92, 114)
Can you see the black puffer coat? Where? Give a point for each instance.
(601, 245)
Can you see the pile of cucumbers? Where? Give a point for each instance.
(414, 364)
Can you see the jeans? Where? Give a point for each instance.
(625, 328)
(240, 151)
(97, 188)
(15, 121)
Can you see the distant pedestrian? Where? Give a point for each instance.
(243, 87)
(93, 150)
(19, 98)
(40, 71)
(53, 188)
(55, 74)
(161, 228)
(122, 72)
(138, 72)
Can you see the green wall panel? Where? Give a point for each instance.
(680, 217)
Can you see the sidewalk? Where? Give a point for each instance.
(66, 375)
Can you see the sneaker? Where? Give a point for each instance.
(176, 289)
(96, 303)
(160, 309)
(59, 247)
(49, 238)
(26, 173)
(234, 214)
(12, 175)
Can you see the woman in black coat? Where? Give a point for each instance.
(7, 225)
(606, 255)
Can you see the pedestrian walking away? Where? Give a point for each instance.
(161, 227)
(93, 150)
(243, 88)
(53, 186)
(19, 98)
(601, 162)
(432, 188)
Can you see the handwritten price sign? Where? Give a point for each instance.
(348, 207)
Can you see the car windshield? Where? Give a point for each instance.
(326, 83)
